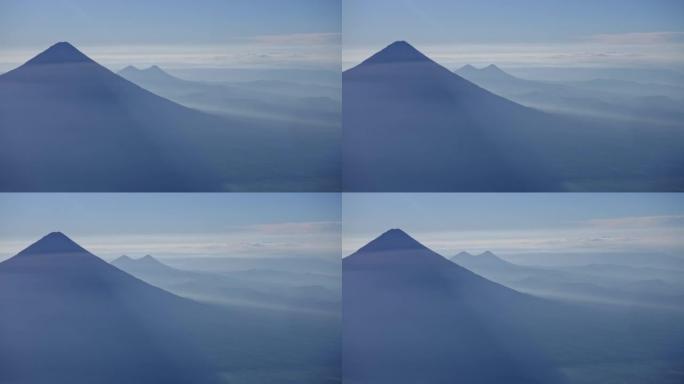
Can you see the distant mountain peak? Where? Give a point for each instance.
(147, 264)
(399, 51)
(122, 258)
(484, 257)
(130, 68)
(488, 255)
(157, 70)
(54, 242)
(393, 240)
(153, 72)
(468, 68)
(62, 52)
(149, 260)
(493, 69)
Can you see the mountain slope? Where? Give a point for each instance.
(413, 125)
(69, 317)
(69, 124)
(410, 316)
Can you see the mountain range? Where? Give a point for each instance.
(411, 124)
(69, 124)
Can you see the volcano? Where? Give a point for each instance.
(411, 125)
(411, 315)
(70, 317)
(69, 124)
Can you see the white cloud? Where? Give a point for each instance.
(644, 222)
(638, 38)
(298, 227)
(325, 38)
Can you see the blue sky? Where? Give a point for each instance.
(178, 225)
(521, 32)
(515, 223)
(235, 33)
